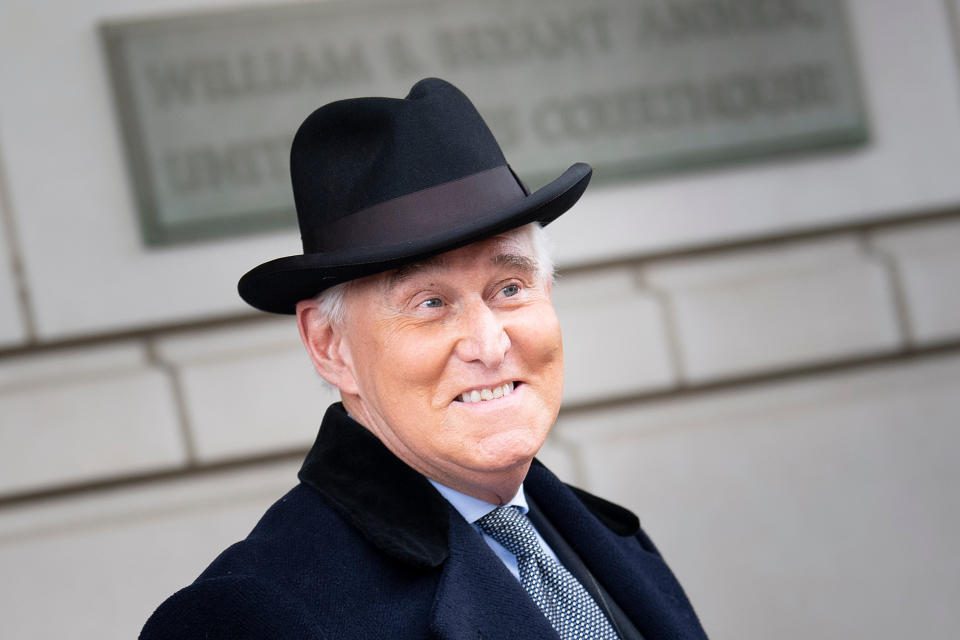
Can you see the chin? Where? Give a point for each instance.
(507, 451)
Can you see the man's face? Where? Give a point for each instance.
(457, 362)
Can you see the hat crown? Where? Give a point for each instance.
(353, 154)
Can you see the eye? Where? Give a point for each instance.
(432, 303)
(510, 290)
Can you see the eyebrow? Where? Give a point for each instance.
(515, 260)
(405, 272)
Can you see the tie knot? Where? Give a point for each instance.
(512, 529)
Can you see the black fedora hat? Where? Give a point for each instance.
(379, 182)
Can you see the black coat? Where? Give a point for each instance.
(366, 548)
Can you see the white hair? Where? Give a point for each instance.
(330, 302)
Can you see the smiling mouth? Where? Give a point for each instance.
(491, 393)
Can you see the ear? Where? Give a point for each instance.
(326, 347)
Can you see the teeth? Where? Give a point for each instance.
(487, 394)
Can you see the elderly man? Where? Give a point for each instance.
(423, 295)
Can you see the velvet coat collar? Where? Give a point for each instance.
(392, 506)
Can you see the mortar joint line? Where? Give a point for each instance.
(671, 336)
(898, 297)
(179, 400)
(17, 267)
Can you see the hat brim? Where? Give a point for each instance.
(276, 286)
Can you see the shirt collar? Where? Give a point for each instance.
(472, 509)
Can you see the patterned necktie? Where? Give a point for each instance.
(562, 599)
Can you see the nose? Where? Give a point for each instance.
(483, 337)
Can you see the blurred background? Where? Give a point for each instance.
(759, 293)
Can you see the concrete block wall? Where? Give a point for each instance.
(759, 309)
(761, 361)
(822, 506)
(607, 312)
(925, 260)
(83, 414)
(247, 390)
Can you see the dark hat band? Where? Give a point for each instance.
(413, 215)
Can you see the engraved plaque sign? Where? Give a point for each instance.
(208, 103)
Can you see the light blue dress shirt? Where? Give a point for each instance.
(472, 509)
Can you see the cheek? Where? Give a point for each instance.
(404, 363)
(542, 339)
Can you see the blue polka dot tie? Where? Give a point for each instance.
(560, 596)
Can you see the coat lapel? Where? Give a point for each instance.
(637, 577)
(478, 597)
